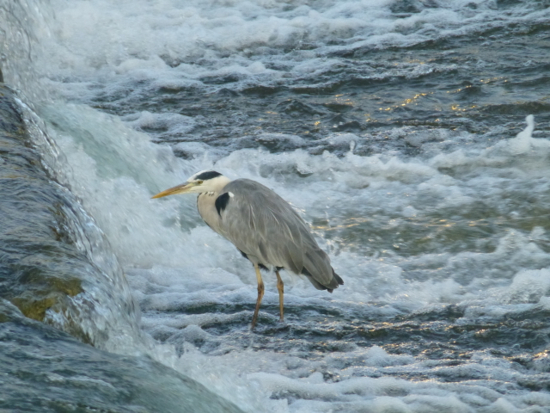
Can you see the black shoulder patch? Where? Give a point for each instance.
(221, 202)
(205, 176)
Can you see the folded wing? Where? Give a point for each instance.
(265, 228)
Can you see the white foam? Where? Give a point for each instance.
(528, 286)
(176, 45)
(116, 171)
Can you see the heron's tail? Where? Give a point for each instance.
(335, 279)
(330, 286)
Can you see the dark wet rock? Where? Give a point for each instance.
(227, 93)
(297, 108)
(341, 123)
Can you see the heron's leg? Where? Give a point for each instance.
(260, 295)
(281, 288)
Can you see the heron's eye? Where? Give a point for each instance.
(199, 182)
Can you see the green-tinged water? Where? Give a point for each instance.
(46, 370)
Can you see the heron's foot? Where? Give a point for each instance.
(255, 316)
(254, 319)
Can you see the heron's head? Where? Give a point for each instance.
(201, 182)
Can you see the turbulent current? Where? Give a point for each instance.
(412, 135)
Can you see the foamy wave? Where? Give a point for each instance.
(176, 45)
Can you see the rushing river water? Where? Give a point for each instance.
(414, 137)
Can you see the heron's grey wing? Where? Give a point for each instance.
(267, 229)
(261, 224)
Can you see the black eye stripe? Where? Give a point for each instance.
(205, 176)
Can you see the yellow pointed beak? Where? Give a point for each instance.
(180, 189)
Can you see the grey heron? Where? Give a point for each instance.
(264, 228)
